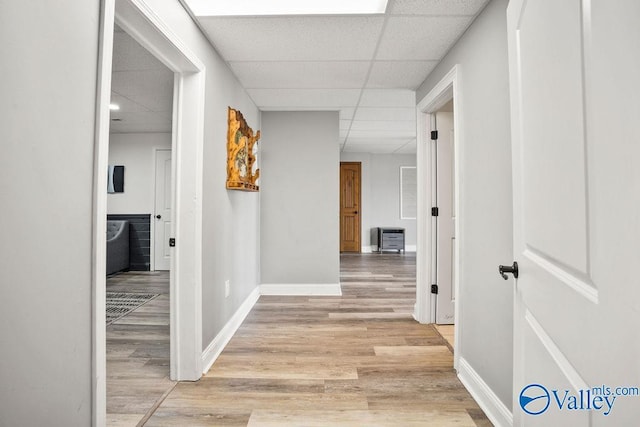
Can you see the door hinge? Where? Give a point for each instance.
(434, 212)
(172, 242)
(434, 135)
(434, 289)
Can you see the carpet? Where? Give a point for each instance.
(119, 304)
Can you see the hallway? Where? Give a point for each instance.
(359, 359)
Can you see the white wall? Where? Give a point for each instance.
(47, 115)
(47, 107)
(230, 235)
(380, 184)
(300, 198)
(486, 301)
(136, 151)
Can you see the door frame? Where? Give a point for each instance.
(447, 88)
(437, 223)
(139, 21)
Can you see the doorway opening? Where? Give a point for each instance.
(438, 259)
(444, 222)
(138, 293)
(187, 119)
(381, 265)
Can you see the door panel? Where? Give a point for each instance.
(552, 101)
(163, 201)
(549, 368)
(575, 295)
(350, 206)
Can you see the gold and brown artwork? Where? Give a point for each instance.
(241, 156)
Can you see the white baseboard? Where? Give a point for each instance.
(213, 350)
(374, 248)
(493, 407)
(291, 289)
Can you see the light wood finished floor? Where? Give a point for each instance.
(447, 332)
(138, 350)
(355, 360)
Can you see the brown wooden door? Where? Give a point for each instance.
(349, 206)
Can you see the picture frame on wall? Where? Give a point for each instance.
(115, 179)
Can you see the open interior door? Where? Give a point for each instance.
(576, 313)
(445, 219)
(162, 212)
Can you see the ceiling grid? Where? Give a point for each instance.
(366, 66)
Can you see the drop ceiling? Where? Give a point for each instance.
(367, 67)
(142, 88)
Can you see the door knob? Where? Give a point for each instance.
(159, 216)
(504, 269)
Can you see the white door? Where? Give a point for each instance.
(445, 222)
(162, 214)
(574, 96)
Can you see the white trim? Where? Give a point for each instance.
(423, 254)
(217, 345)
(446, 89)
(561, 361)
(374, 249)
(299, 289)
(99, 244)
(583, 286)
(139, 20)
(492, 406)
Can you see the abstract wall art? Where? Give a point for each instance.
(241, 154)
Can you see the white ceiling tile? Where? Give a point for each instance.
(378, 140)
(420, 38)
(381, 134)
(152, 89)
(369, 148)
(128, 55)
(295, 99)
(295, 38)
(399, 74)
(384, 126)
(126, 105)
(388, 98)
(321, 63)
(347, 113)
(304, 75)
(408, 148)
(437, 7)
(379, 113)
(140, 122)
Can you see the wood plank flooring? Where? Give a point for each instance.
(355, 360)
(138, 350)
(447, 332)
